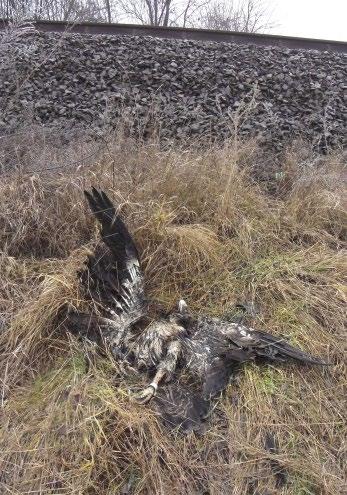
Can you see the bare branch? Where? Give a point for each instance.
(246, 15)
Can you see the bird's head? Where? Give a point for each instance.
(182, 306)
(180, 315)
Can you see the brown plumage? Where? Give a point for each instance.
(206, 349)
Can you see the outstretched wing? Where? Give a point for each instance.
(239, 343)
(217, 347)
(113, 276)
(258, 344)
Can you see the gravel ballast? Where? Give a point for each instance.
(182, 88)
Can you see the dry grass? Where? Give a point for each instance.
(209, 232)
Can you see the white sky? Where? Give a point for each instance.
(326, 19)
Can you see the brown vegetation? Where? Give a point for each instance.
(213, 233)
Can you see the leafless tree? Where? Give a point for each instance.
(250, 16)
(57, 10)
(108, 10)
(229, 15)
(160, 12)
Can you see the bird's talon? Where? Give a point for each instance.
(146, 395)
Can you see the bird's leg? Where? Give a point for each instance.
(164, 370)
(146, 394)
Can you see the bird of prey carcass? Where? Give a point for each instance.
(203, 350)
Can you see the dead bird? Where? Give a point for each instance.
(203, 350)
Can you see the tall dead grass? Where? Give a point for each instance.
(211, 233)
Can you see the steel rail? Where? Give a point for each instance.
(188, 34)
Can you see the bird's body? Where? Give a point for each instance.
(205, 350)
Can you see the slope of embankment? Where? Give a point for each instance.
(179, 88)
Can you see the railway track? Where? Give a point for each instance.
(188, 34)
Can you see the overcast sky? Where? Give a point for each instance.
(310, 18)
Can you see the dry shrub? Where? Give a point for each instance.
(209, 232)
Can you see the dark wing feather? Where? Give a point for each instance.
(113, 275)
(275, 348)
(217, 376)
(181, 408)
(261, 344)
(114, 233)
